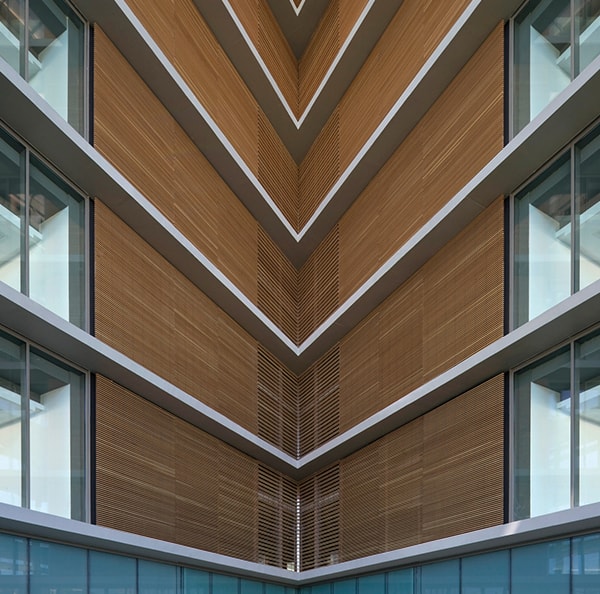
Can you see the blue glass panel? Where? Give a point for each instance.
(112, 574)
(440, 578)
(400, 582)
(321, 589)
(541, 569)
(195, 582)
(486, 573)
(372, 584)
(344, 587)
(13, 565)
(305, 590)
(274, 589)
(586, 564)
(157, 578)
(57, 567)
(224, 584)
(290, 590)
(251, 587)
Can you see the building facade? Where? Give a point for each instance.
(299, 296)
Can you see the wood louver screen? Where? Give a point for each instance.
(277, 286)
(318, 401)
(277, 519)
(277, 403)
(318, 285)
(319, 519)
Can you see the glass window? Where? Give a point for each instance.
(553, 41)
(13, 564)
(112, 574)
(344, 587)
(400, 582)
(44, 40)
(48, 262)
(57, 568)
(440, 578)
(156, 578)
(371, 584)
(541, 568)
(486, 574)
(225, 584)
(586, 564)
(42, 442)
(196, 582)
(556, 230)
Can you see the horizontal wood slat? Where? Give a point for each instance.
(277, 403)
(160, 477)
(438, 476)
(148, 310)
(456, 138)
(167, 167)
(318, 285)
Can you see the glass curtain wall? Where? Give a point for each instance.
(553, 41)
(557, 231)
(556, 411)
(44, 40)
(42, 435)
(42, 233)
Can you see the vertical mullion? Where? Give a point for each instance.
(25, 431)
(25, 257)
(574, 223)
(24, 48)
(574, 425)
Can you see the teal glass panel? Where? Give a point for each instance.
(195, 582)
(440, 578)
(372, 584)
(289, 590)
(344, 587)
(305, 590)
(542, 463)
(13, 565)
(274, 589)
(541, 569)
(224, 584)
(321, 589)
(400, 582)
(587, 24)
(586, 564)
(112, 574)
(156, 578)
(489, 573)
(251, 587)
(57, 568)
(12, 45)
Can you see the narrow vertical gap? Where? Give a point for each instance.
(507, 450)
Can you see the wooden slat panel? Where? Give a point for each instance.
(319, 54)
(463, 457)
(350, 10)
(166, 166)
(247, 12)
(189, 43)
(362, 499)
(277, 171)
(148, 310)
(319, 519)
(238, 504)
(359, 373)
(277, 500)
(319, 170)
(135, 464)
(318, 401)
(277, 55)
(277, 403)
(463, 293)
(318, 285)
(457, 137)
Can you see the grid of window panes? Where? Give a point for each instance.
(557, 230)
(564, 566)
(44, 41)
(42, 233)
(553, 41)
(557, 430)
(42, 436)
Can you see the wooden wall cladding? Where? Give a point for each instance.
(437, 476)
(165, 165)
(320, 518)
(318, 285)
(319, 170)
(318, 401)
(277, 510)
(160, 477)
(277, 403)
(148, 310)
(457, 137)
